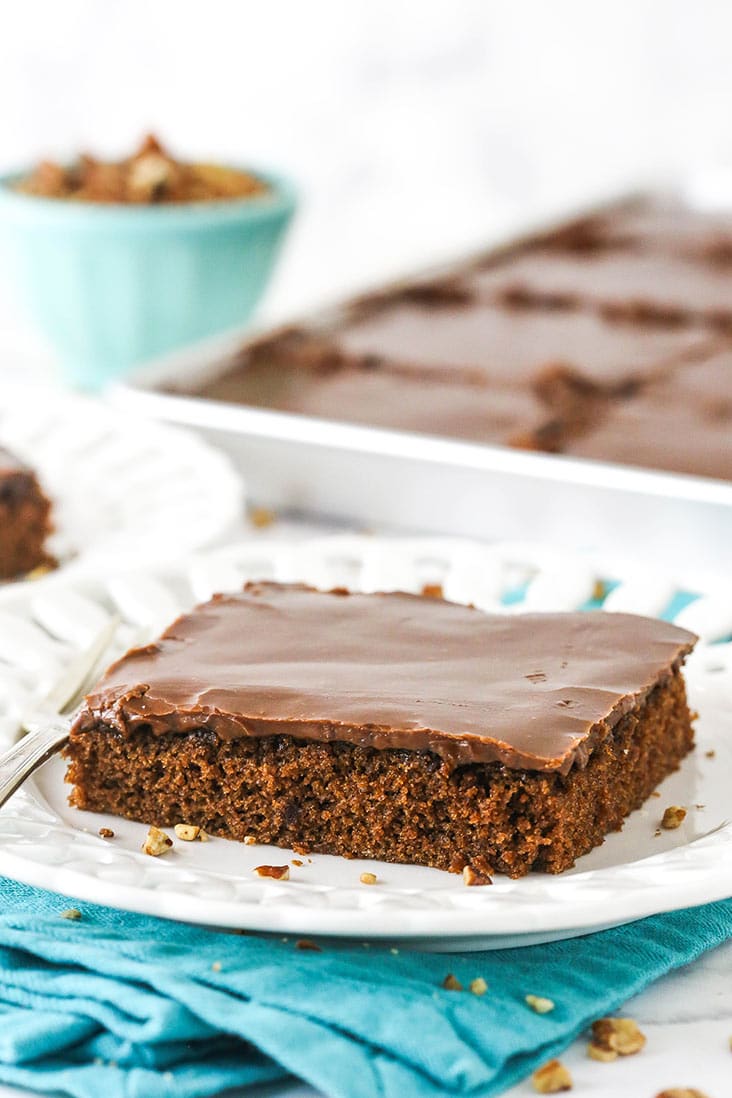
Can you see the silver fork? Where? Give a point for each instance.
(48, 725)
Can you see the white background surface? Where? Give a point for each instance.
(413, 130)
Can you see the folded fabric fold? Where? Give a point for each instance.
(135, 1007)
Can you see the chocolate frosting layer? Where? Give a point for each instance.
(682, 423)
(532, 691)
(624, 283)
(383, 398)
(490, 343)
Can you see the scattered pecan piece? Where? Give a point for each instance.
(472, 878)
(673, 817)
(539, 1004)
(681, 1092)
(604, 1055)
(40, 571)
(620, 1035)
(551, 1078)
(278, 872)
(156, 843)
(478, 986)
(106, 833)
(249, 840)
(451, 983)
(262, 517)
(368, 878)
(187, 832)
(307, 944)
(72, 913)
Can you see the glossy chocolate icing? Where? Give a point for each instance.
(382, 398)
(494, 343)
(661, 226)
(682, 423)
(675, 288)
(531, 691)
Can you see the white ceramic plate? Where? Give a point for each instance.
(635, 873)
(122, 488)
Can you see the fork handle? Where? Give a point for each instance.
(28, 754)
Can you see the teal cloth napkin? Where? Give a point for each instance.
(128, 1006)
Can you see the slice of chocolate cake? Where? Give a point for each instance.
(24, 518)
(391, 726)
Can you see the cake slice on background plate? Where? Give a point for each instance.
(24, 518)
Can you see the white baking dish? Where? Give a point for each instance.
(392, 479)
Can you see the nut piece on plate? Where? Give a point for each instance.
(478, 986)
(539, 1004)
(187, 832)
(472, 878)
(451, 983)
(673, 817)
(368, 878)
(262, 517)
(277, 872)
(681, 1092)
(551, 1078)
(613, 1037)
(156, 843)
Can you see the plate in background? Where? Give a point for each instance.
(123, 488)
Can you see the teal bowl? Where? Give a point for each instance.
(113, 285)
